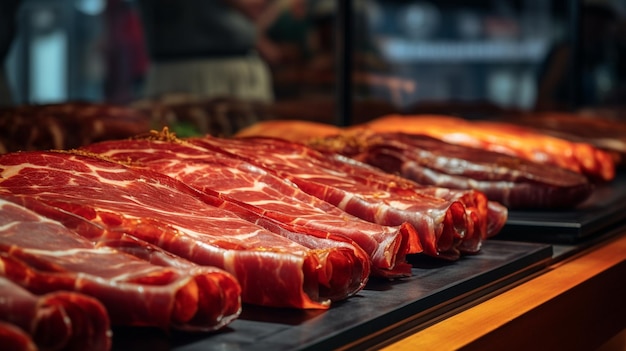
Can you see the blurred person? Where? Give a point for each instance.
(617, 95)
(285, 33)
(205, 48)
(597, 40)
(124, 51)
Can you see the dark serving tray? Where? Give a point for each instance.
(382, 310)
(604, 209)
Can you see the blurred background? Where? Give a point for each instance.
(470, 58)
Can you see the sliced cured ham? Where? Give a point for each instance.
(44, 256)
(67, 125)
(504, 138)
(59, 320)
(273, 199)
(169, 214)
(515, 182)
(13, 338)
(294, 130)
(442, 225)
(590, 127)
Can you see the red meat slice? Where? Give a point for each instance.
(167, 213)
(445, 225)
(270, 197)
(135, 292)
(15, 339)
(502, 137)
(59, 320)
(512, 181)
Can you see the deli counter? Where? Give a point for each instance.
(519, 253)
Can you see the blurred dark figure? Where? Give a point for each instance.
(598, 43)
(285, 33)
(205, 48)
(8, 12)
(126, 57)
(617, 95)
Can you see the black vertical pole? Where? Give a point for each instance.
(343, 62)
(576, 57)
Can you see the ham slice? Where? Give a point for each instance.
(44, 256)
(591, 127)
(274, 199)
(167, 213)
(294, 130)
(15, 339)
(370, 194)
(515, 182)
(59, 320)
(504, 138)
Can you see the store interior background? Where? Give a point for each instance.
(454, 57)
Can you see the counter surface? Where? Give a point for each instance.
(575, 304)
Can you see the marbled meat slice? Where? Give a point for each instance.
(515, 182)
(267, 195)
(344, 266)
(60, 320)
(44, 256)
(441, 224)
(504, 138)
(272, 270)
(483, 218)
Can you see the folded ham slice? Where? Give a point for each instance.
(271, 198)
(44, 256)
(515, 182)
(504, 138)
(371, 194)
(15, 339)
(60, 320)
(169, 214)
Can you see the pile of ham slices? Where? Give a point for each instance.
(184, 233)
(518, 162)
(67, 125)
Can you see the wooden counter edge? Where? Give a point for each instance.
(576, 304)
